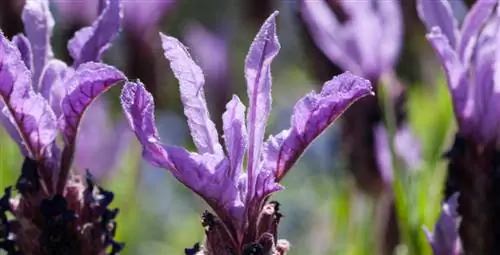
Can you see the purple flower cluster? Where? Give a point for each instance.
(243, 220)
(56, 210)
(469, 55)
(56, 207)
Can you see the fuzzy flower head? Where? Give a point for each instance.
(244, 222)
(56, 211)
(471, 60)
(363, 37)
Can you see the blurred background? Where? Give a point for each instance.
(327, 209)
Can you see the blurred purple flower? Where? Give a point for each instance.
(244, 220)
(139, 15)
(470, 59)
(445, 239)
(211, 52)
(100, 142)
(42, 97)
(84, 11)
(366, 41)
(406, 147)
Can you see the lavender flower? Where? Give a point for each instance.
(406, 146)
(244, 221)
(469, 57)
(364, 37)
(445, 239)
(56, 210)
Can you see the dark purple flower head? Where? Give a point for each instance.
(470, 59)
(363, 37)
(238, 194)
(445, 239)
(56, 211)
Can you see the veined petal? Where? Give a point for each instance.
(52, 82)
(138, 107)
(191, 83)
(89, 81)
(38, 23)
(439, 14)
(235, 135)
(474, 21)
(89, 43)
(258, 76)
(454, 70)
(328, 33)
(445, 239)
(28, 112)
(24, 47)
(207, 176)
(311, 116)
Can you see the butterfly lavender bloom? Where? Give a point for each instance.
(244, 221)
(444, 239)
(364, 37)
(91, 42)
(56, 211)
(470, 59)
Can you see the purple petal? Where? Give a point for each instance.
(311, 116)
(487, 88)
(24, 47)
(191, 82)
(100, 143)
(439, 14)
(143, 15)
(445, 240)
(52, 83)
(89, 43)
(258, 76)
(474, 21)
(207, 176)
(28, 112)
(138, 107)
(235, 135)
(89, 81)
(455, 72)
(328, 34)
(391, 18)
(38, 23)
